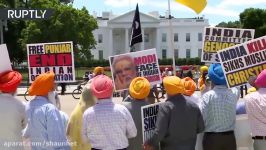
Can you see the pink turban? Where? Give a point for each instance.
(9, 81)
(102, 87)
(261, 79)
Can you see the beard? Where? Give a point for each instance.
(51, 97)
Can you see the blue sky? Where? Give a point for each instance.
(216, 10)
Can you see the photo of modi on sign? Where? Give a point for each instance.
(124, 70)
(126, 67)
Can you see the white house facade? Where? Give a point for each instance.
(113, 35)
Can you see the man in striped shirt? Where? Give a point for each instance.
(107, 126)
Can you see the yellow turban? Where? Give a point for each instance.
(203, 69)
(253, 89)
(173, 85)
(98, 70)
(139, 88)
(43, 84)
(190, 86)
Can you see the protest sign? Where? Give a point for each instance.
(5, 63)
(56, 57)
(242, 61)
(148, 118)
(216, 38)
(126, 67)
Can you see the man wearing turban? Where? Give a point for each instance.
(218, 108)
(107, 125)
(241, 105)
(98, 71)
(203, 82)
(139, 89)
(45, 124)
(255, 107)
(190, 87)
(12, 111)
(74, 128)
(178, 120)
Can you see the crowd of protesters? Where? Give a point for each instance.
(98, 123)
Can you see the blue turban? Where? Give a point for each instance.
(216, 74)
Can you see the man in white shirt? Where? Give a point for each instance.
(255, 107)
(107, 125)
(12, 112)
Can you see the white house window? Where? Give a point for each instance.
(176, 53)
(176, 37)
(187, 37)
(187, 53)
(164, 53)
(164, 37)
(146, 38)
(199, 37)
(199, 52)
(100, 54)
(100, 38)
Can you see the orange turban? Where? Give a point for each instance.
(190, 86)
(9, 81)
(102, 87)
(139, 88)
(173, 85)
(98, 70)
(42, 85)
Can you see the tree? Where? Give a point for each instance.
(254, 18)
(251, 18)
(12, 35)
(66, 1)
(7, 3)
(66, 24)
(230, 24)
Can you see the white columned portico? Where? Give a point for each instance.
(111, 48)
(127, 49)
(142, 46)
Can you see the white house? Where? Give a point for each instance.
(113, 35)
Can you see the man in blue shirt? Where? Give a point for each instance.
(45, 127)
(218, 108)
